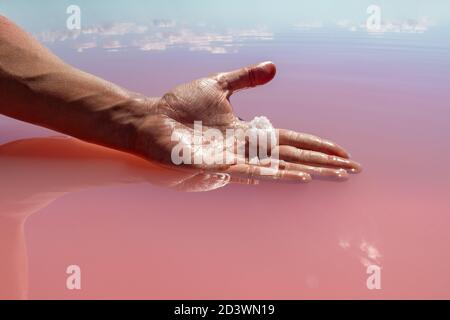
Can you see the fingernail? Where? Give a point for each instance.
(265, 63)
(357, 168)
(269, 70)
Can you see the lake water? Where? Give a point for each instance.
(136, 233)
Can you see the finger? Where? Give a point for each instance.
(292, 154)
(310, 142)
(243, 180)
(263, 173)
(315, 171)
(247, 77)
(321, 172)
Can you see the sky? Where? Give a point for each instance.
(38, 15)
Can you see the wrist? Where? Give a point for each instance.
(126, 121)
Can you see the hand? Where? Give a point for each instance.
(208, 100)
(41, 89)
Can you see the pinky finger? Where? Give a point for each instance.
(266, 173)
(318, 172)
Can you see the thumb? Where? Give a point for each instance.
(248, 77)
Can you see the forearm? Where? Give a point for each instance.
(37, 87)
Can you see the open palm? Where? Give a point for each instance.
(207, 100)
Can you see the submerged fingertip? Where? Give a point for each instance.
(305, 177)
(342, 174)
(355, 167)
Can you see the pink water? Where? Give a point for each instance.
(385, 99)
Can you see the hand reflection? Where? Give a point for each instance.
(44, 168)
(35, 172)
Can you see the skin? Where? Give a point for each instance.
(37, 87)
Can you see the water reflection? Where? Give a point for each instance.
(37, 171)
(166, 34)
(161, 35)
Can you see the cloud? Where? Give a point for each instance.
(150, 45)
(161, 35)
(213, 50)
(372, 253)
(367, 253)
(401, 26)
(113, 45)
(53, 36)
(215, 43)
(307, 25)
(117, 29)
(344, 244)
(164, 23)
(85, 45)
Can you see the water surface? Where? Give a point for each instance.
(384, 96)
